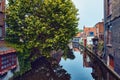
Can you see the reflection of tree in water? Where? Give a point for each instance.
(42, 69)
(61, 74)
(69, 54)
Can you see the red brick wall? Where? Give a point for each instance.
(2, 3)
(2, 16)
(114, 21)
(1, 19)
(100, 29)
(87, 30)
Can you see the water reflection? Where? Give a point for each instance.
(99, 70)
(70, 54)
(86, 60)
(76, 64)
(75, 67)
(96, 70)
(44, 69)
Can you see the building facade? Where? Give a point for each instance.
(2, 17)
(100, 30)
(112, 33)
(8, 59)
(89, 31)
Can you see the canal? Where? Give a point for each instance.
(76, 67)
(76, 64)
(87, 66)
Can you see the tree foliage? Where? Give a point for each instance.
(44, 25)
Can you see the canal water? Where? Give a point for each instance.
(73, 65)
(76, 67)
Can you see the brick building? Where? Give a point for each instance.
(100, 30)
(112, 33)
(8, 59)
(2, 17)
(89, 31)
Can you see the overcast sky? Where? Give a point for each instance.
(90, 12)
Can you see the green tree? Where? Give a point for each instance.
(42, 25)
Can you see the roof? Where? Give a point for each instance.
(6, 50)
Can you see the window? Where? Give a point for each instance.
(0, 31)
(109, 7)
(111, 62)
(91, 33)
(108, 34)
(0, 6)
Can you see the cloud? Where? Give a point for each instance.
(91, 11)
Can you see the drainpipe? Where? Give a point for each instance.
(104, 53)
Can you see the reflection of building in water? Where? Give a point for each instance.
(75, 45)
(86, 60)
(76, 39)
(99, 71)
(96, 71)
(76, 49)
